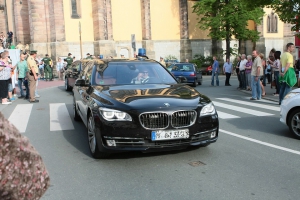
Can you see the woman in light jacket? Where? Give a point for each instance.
(5, 72)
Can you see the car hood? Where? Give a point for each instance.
(150, 96)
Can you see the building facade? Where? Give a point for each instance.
(162, 27)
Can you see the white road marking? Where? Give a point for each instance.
(241, 109)
(263, 100)
(223, 115)
(59, 117)
(20, 116)
(251, 104)
(260, 142)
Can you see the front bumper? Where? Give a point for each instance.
(136, 138)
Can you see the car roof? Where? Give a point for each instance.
(102, 64)
(119, 60)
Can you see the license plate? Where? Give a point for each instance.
(169, 134)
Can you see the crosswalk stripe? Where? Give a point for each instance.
(251, 104)
(263, 100)
(241, 109)
(20, 116)
(223, 115)
(59, 117)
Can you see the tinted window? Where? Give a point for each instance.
(133, 73)
(182, 67)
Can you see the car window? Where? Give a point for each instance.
(182, 67)
(133, 73)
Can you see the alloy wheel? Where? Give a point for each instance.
(91, 134)
(295, 124)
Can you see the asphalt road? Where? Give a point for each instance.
(255, 157)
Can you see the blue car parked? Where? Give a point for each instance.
(188, 71)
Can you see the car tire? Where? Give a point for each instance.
(76, 116)
(294, 123)
(195, 83)
(93, 141)
(67, 87)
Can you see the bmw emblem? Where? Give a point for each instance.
(167, 104)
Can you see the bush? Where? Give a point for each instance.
(201, 61)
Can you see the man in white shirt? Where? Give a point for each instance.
(242, 71)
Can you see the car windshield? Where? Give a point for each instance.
(181, 67)
(124, 73)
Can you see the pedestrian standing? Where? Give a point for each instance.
(215, 72)
(227, 70)
(12, 80)
(276, 66)
(262, 78)
(22, 70)
(47, 67)
(59, 68)
(288, 76)
(37, 83)
(41, 67)
(5, 72)
(268, 72)
(237, 70)
(248, 72)
(256, 73)
(242, 72)
(32, 75)
(69, 60)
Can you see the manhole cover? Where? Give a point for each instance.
(196, 163)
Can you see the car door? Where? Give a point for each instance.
(84, 94)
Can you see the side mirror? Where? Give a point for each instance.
(80, 83)
(181, 79)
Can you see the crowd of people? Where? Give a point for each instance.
(6, 41)
(256, 71)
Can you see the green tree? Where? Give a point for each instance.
(227, 19)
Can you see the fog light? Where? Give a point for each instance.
(213, 134)
(111, 143)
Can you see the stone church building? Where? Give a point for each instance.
(162, 27)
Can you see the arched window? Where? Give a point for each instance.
(75, 9)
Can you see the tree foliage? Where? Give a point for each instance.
(226, 19)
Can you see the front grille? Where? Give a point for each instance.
(183, 118)
(154, 120)
(178, 119)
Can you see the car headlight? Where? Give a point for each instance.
(114, 115)
(291, 94)
(209, 109)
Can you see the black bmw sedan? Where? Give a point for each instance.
(138, 105)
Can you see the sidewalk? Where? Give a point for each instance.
(41, 85)
(48, 84)
(269, 93)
